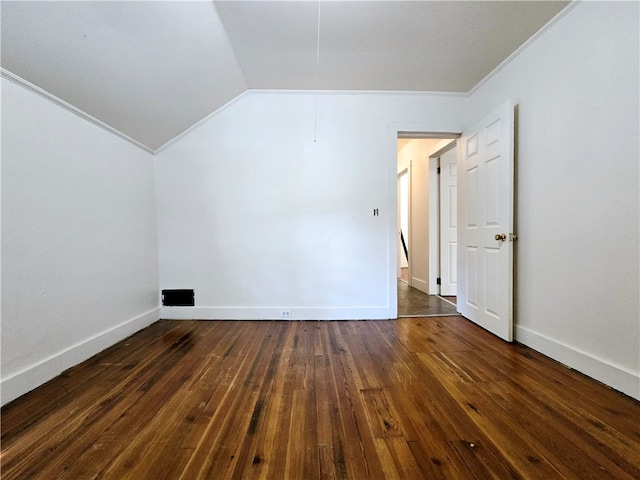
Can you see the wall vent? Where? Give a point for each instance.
(178, 298)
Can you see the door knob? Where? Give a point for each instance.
(501, 237)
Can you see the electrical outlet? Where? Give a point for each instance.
(285, 313)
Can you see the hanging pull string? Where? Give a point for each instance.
(315, 120)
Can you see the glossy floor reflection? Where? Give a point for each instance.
(414, 303)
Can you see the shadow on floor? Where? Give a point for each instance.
(414, 303)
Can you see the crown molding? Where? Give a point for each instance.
(412, 93)
(12, 77)
(559, 16)
(76, 111)
(193, 127)
(256, 91)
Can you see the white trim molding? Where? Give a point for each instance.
(525, 45)
(614, 376)
(70, 108)
(19, 383)
(274, 313)
(200, 122)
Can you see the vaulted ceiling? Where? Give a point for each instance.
(152, 69)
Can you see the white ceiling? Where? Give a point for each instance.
(152, 69)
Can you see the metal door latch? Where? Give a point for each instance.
(501, 237)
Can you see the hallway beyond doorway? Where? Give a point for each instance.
(414, 303)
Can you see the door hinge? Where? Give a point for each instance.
(438, 281)
(438, 171)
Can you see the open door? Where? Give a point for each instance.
(448, 191)
(485, 223)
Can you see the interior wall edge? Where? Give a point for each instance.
(38, 373)
(271, 313)
(599, 369)
(199, 123)
(12, 77)
(559, 16)
(394, 93)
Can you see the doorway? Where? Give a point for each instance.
(485, 201)
(418, 225)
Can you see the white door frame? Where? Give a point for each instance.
(434, 216)
(395, 131)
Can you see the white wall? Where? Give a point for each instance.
(79, 243)
(576, 89)
(256, 217)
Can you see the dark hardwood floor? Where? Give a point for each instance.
(414, 303)
(423, 398)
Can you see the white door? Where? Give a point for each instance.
(485, 223)
(448, 223)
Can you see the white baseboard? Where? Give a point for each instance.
(420, 284)
(616, 377)
(35, 375)
(271, 313)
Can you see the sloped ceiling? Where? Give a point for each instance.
(152, 69)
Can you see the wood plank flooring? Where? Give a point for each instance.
(424, 398)
(414, 303)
